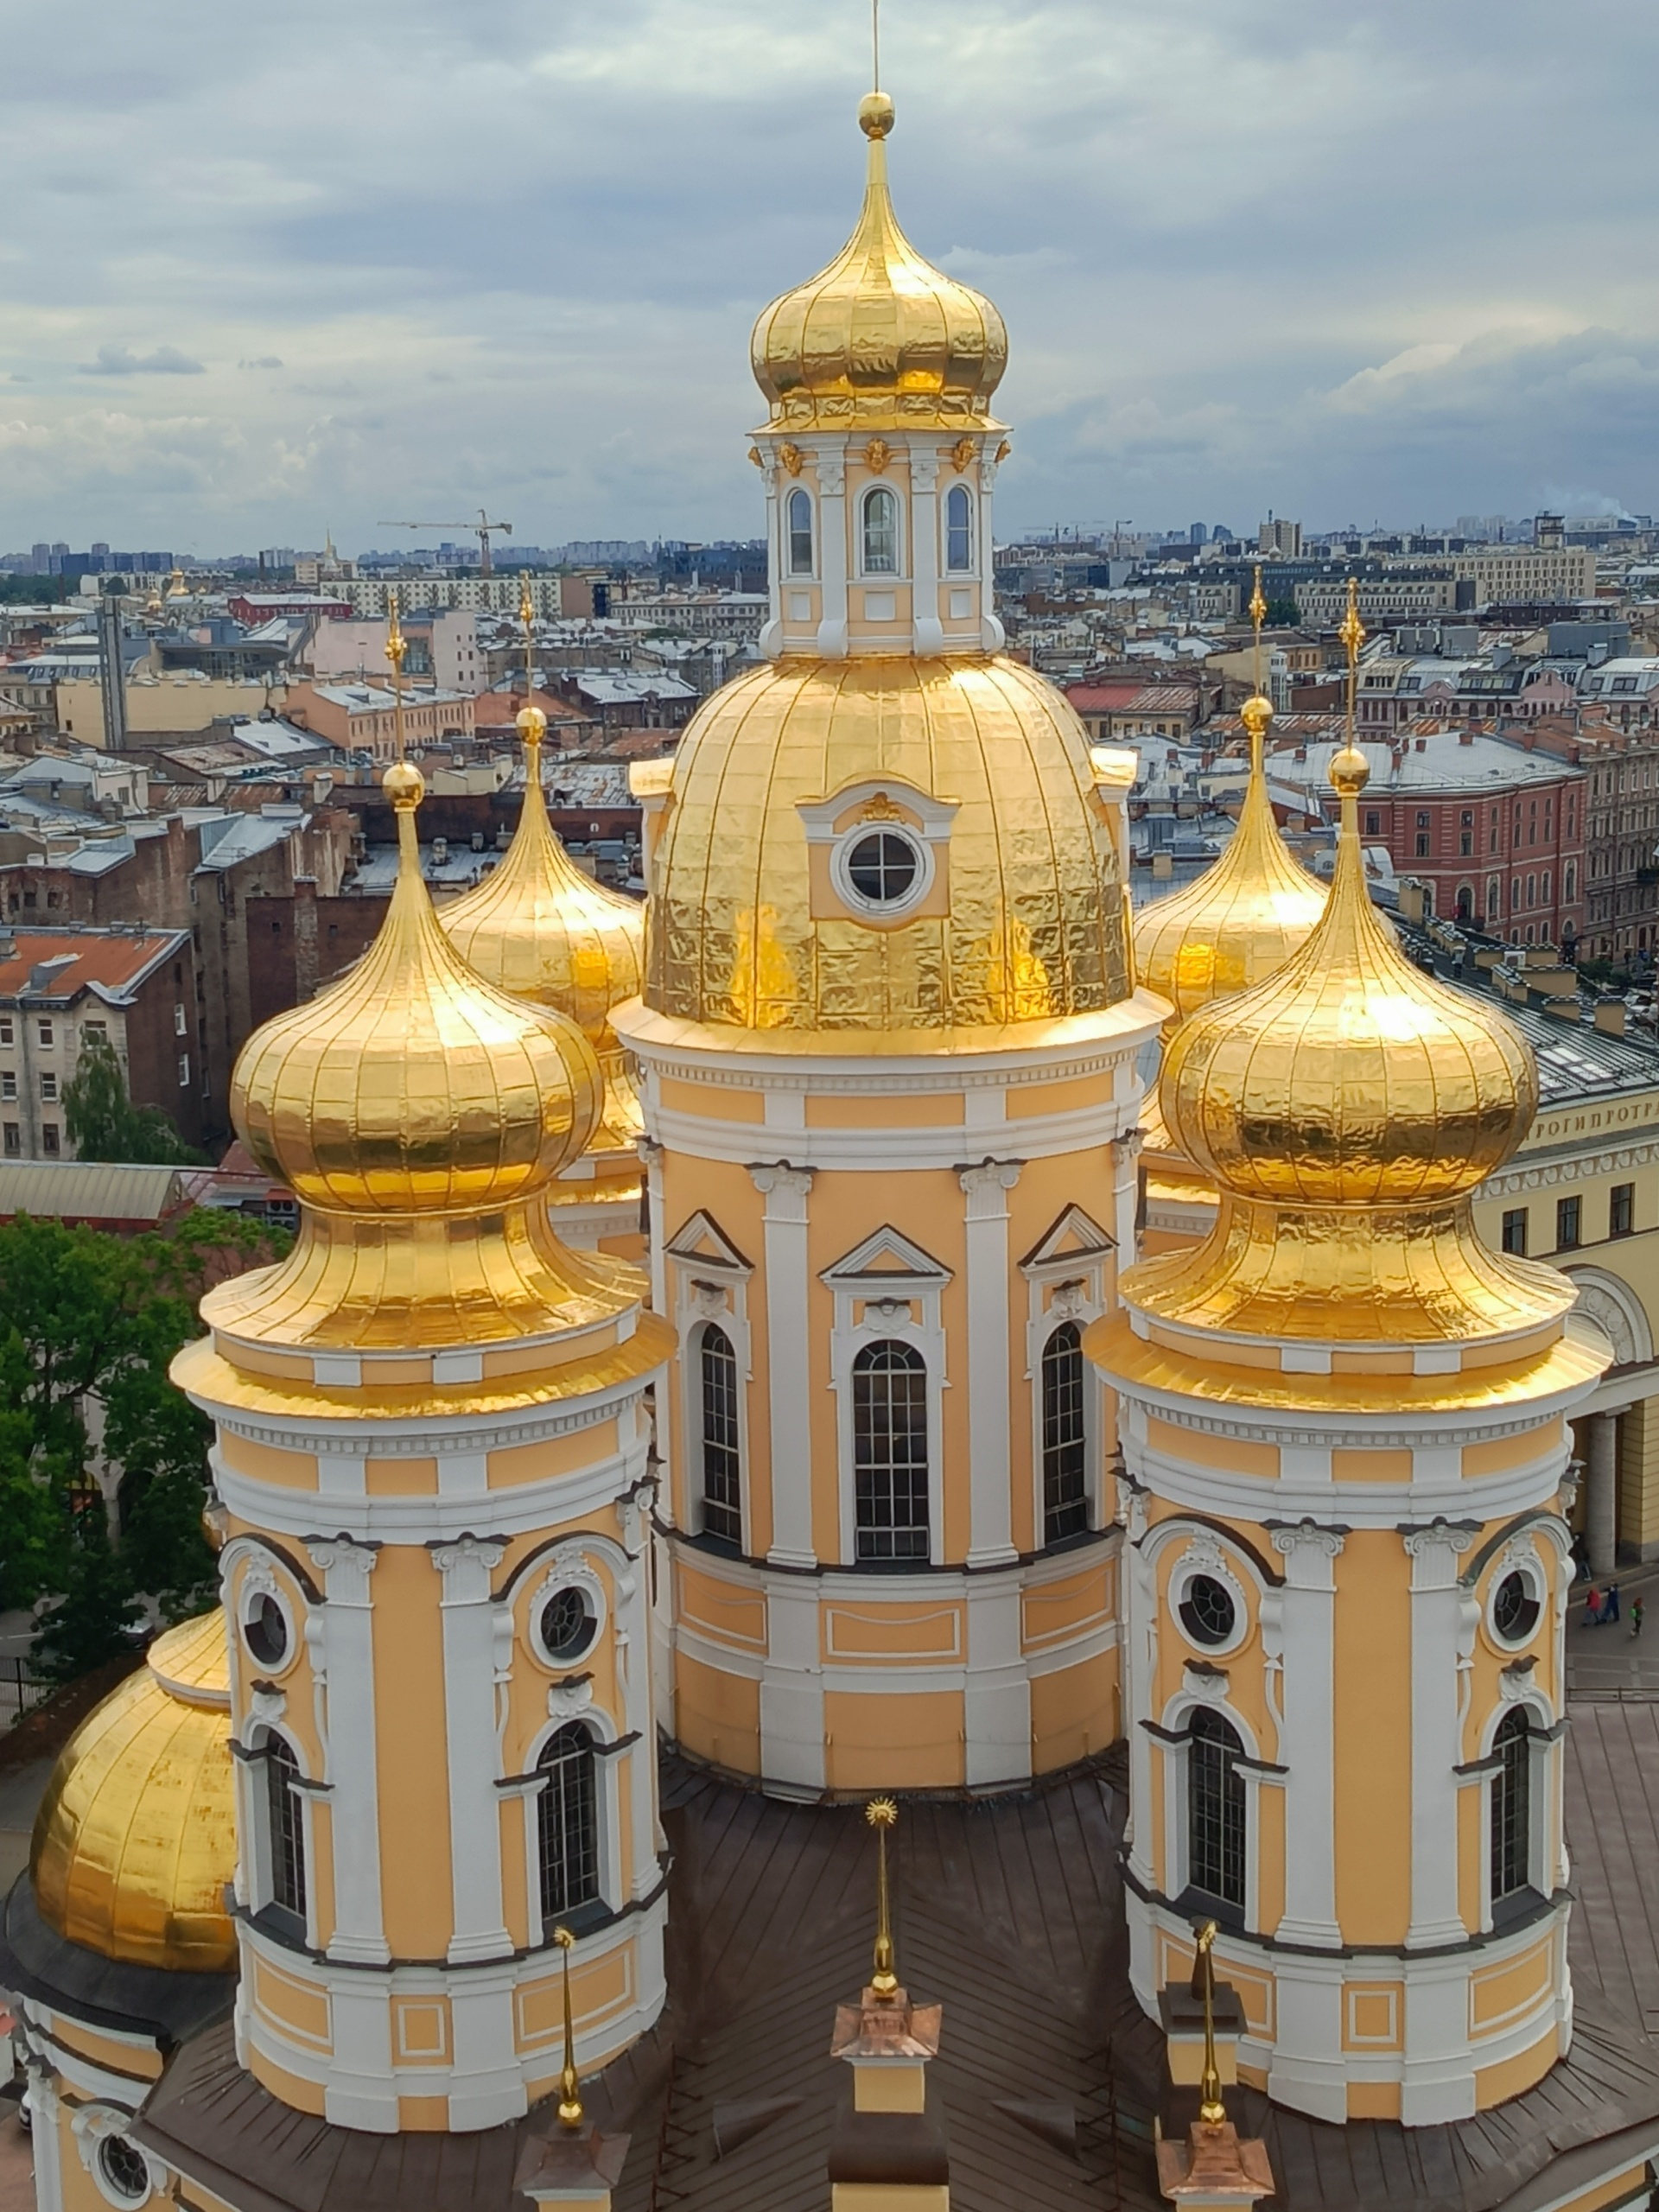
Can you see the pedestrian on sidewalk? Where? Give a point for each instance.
(1609, 1612)
(1592, 1607)
(1635, 1617)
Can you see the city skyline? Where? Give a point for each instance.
(1277, 261)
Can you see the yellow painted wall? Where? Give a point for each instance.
(411, 1750)
(1372, 1793)
(864, 1735)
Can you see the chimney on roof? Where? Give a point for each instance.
(1466, 737)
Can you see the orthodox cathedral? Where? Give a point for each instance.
(722, 1389)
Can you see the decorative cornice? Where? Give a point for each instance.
(1577, 1167)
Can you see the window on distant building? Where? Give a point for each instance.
(49, 1142)
(45, 1033)
(1423, 844)
(1566, 1224)
(1621, 1210)
(1515, 1232)
(49, 1090)
(1373, 822)
(11, 1138)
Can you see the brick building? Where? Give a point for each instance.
(135, 988)
(1621, 865)
(1494, 829)
(360, 717)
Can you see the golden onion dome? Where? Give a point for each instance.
(1350, 1077)
(1243, 917)
(412, 1084)
(880, 339)
(539, 929)
(1347, 1109)
(979, 769)
(135, 1842)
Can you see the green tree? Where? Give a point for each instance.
(95, 1614)
(102, 1122)
(1283, 614)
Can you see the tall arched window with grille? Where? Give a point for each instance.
(567, 1818)
(1066, 1436)
(890, 1452)
(1512, 1806)
(958, 530)
(1215, 1809)
(722, 1491)
(286, 1832)
(800, 532)
(880, 547)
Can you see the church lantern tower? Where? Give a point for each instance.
(1343, 1427)
(431, 1458)
(889, 1046)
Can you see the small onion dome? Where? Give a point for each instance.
(411, 1085)
(135, 1841)
(538, 928)
(879, 340)
(1242, 917)
(1025, 917)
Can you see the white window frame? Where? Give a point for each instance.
(564, 1706)
(1177, 1800)
(793, 574)
(899, 570)
(870, 1308)
(947, 566)
(706, 1289)
(1068, 1285)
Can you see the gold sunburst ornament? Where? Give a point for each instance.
(882, 1814)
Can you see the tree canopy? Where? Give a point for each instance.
(89, 1324)
(104, 1123)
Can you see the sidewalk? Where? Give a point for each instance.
(1610, 1661)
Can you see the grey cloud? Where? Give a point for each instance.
(263, 361)
(122, 361)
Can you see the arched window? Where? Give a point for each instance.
(722, 1499)
(1215, 1809)
(800, 533)
(567, 1822)
(958, 529)
(1512, 1805)
(1065, 1442)
(890, 1451)
(880, 532)
(287, 1828)
(1570, 891)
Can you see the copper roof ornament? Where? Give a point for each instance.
(1215, 2166)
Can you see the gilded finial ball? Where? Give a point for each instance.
(1256, 714)
(403, 784)
(876, 115)
(533, 724)
(1349, 771)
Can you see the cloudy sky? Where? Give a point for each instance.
(271, 271)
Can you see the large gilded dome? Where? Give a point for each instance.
(978, 768)
(880, 339)
(135, 1841)
(413, 1084)
(1242, 917)
(539, 929)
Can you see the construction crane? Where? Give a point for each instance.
(483, 526)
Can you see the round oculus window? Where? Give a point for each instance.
(882, 868)
(567, 1626)
(124, 2169)
(266, 1631)
(1515, 1608)
(1208, 1613)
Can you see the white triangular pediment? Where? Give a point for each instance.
(701, 1242)
(883, 1259)
(1072, 1240)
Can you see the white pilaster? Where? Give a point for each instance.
(788, 1360)
(990, 1539)
(480, 1929)
(791, 1689)
(1601, 1494)
(991, 636)
(347, 1656)
(996, 1700)
(924, 549)
(1307, 1613)
(1436, 1606)
(834, 550)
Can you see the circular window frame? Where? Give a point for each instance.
(881, 911)
(1187, 1569)
(256, 1586)
(578, 1576)
(106, 2126)
(1531, 1570)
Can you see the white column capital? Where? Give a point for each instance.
(345, 1565)
(466, 1563)
(1435, 1549)
(984, 1185)
(777, 1179)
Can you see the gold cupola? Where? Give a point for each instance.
(1244, 916)
(1346, 1110)
(880, 339)
(135, 1841)
(539, 929)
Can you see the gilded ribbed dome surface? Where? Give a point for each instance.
(540, 929)
(1026, 919)
(135, 1841)
(879, 340)
(1241, 918)
(413, 1084)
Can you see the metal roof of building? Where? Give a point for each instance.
(88, 1191)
